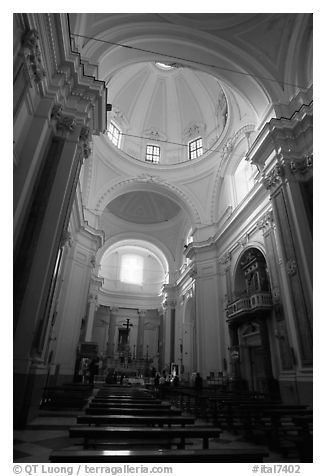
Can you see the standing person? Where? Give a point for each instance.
(93, 369)
(198, 382)
(156, 383)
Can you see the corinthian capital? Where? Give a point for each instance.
(266, 221)
(63, 124)
(274, 178)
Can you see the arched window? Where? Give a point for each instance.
(195, 148)
(132, 269)
(153, 153)
(244, 179)
(114, 134)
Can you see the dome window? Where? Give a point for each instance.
(153, 153)
(195, 148)
(164, 66)
(114, 134)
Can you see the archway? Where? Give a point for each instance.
(249, 321)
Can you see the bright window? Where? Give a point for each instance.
(195, 148)
(114, 134)
(131, 269)
(153, 154)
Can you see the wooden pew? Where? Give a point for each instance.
(125, 400)
(149, 420)
(103, 410)
(152, 433)
(96, 404)
(224, 455)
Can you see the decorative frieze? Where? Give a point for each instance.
(32, 55)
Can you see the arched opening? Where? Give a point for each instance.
(133, 267)
(249, 318)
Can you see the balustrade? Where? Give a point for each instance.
(249, 304)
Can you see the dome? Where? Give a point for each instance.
(166, 105)
(143, 207)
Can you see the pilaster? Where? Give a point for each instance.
(169, 304)
(283, 154)
(140, 334)
(209, 321)
(267, 226)
(112, 330)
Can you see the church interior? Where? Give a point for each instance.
(163, 204)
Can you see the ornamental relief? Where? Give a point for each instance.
(274, 178)
(32, 55)
(85, 138)
(301, 167)
(291, 267)
(266, 222)
(63, 124)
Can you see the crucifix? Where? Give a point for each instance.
(127, 325)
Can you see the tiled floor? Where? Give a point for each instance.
(46, 433)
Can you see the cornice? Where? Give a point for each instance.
(81, 95)
(283, 138)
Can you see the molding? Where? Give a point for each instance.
(83, 96)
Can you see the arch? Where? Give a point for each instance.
(226, 161)
(150, 183)
(238, 278)
(162, 253)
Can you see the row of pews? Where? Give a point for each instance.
(130, 424)
(284, 428)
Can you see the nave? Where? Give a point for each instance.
(130, 424)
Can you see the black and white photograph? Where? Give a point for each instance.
(162, 241)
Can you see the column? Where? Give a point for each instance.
(111, 334)
(235, 356)
(271, 383)
(140, 334)
(209, 319)
(92, 306)
(168, 324)
(161, 340)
